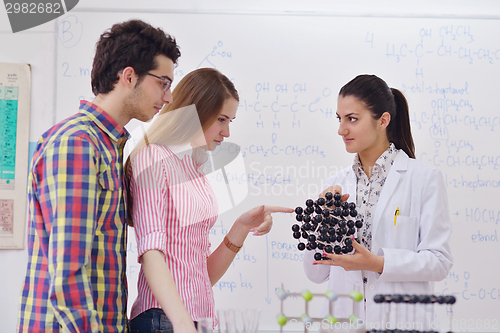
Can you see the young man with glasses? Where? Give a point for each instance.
(75, 279)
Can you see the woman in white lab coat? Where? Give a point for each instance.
(403, 205)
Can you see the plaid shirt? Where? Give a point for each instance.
(75, 279)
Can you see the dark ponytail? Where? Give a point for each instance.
(379, 98)
(399, 131)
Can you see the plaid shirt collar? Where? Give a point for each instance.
(104, 122)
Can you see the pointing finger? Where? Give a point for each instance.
(277, 209)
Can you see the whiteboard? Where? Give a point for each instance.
(288, 70)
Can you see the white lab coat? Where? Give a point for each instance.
(415, 251)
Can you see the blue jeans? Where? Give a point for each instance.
(152, 321)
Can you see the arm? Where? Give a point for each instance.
(66, 192)
(258, 220)
(432, 260)
(163, 286)
(149, 189)
(218, 262)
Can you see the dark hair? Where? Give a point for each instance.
(379, 98)
(132, 43)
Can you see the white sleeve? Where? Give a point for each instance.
(315, 273)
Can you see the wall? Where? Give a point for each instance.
(288, 62)
(36, 47)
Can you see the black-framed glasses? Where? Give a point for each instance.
(165, 84)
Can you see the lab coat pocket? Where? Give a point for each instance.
(406, 233)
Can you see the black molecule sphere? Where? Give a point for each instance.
(326, 225)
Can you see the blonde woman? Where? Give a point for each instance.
(173, 207)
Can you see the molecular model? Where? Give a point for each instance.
(308, 296)
(408, 304)
(326, 224)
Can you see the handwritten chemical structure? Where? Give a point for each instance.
(274, 99)
(275, 150)
(453, 42)
(218, 52)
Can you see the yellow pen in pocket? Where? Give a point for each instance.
(396, 213)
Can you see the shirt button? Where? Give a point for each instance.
(372, 287)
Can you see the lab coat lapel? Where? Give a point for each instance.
(393, 178)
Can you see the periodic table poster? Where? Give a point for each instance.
(15, 100)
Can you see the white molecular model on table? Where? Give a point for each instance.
(331, 295)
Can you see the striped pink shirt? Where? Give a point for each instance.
(174, 209)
